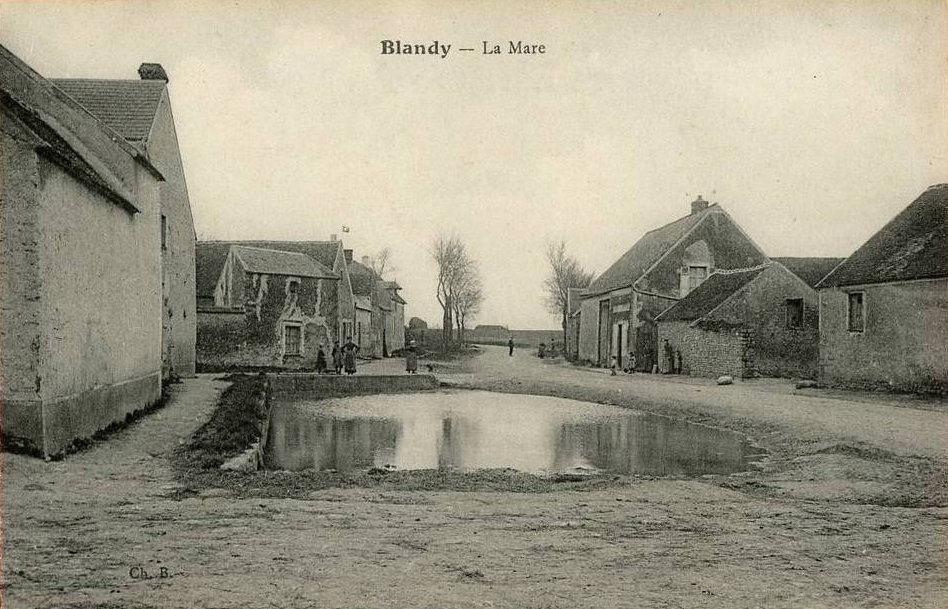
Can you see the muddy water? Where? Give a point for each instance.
(477, 429)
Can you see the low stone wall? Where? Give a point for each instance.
(331, 384)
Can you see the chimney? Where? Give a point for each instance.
(333, 237)
(152, 71)
(698, 205)
(348, 255)
(365, 260)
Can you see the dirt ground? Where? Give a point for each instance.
(849, 510)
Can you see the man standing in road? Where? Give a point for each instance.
(510, 347)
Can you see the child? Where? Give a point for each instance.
(631, 363)
(614, 365)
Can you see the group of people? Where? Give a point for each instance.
(543, 351)
(672, 359)
(343, 358)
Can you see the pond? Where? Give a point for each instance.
(469, 430)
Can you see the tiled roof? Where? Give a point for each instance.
(276, 262)
(913, 245)
(209, 257)
(127, 106)
(810, 270)
(646, 252)
(709, 295)
(362, 279)
(59, 150)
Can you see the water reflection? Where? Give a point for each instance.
(475, 430)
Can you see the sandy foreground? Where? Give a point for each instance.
(849, 510)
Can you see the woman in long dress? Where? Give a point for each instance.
(349, 351)
(411, 358)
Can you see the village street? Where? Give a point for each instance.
(814, 528)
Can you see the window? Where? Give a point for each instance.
(794, 312)
(857, 312)
(292, 340)
(292, 286)
(164, 232)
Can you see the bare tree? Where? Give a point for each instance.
(381, 262)
(565, 273)
(468, 296)
(451, 258)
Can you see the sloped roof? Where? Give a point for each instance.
(646, 252)
(913, 245)
(276, 262)
(709, 295)
(127, 106)
(56, 148)
(810, 270)
(362, 279)
(363, 302)
(209, 257)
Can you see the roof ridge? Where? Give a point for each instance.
(685, 217)
(747, 269)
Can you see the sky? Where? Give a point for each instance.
(811, 122)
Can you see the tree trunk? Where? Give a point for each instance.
(447, 325)
(565, 344)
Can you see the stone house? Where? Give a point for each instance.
(385, 332)
(339, 304)
(140, 111)
(81, 294)
(618, 309)
(395, 321)
(270, 309)
(884, 310)
(760, 321)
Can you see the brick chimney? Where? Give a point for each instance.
(152, 71)
(698, 205)
(334, 237)
(365, 260)
(348, 255)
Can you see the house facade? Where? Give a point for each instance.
(883, 321)
(270, 310)
(338, 305)
(140, 111)
(618, 310)
(81, 296)
(760, 321)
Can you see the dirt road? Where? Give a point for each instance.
(81, 532)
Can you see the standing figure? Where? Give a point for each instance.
(510, 347)
(631, 362)
(336, 357)
(678, 361)
(552, 347)
(349, 351)
(669, 358)
(411, 358)
(614, 364)
(320, 360)
(541, 350)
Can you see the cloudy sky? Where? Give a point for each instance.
(812, 123)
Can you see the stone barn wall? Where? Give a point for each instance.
(708, 353)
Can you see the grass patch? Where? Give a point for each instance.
(232, 429)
